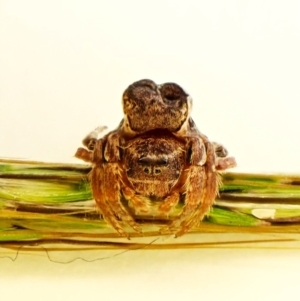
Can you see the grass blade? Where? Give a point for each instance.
(44, 203)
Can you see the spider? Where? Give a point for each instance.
(154, 158)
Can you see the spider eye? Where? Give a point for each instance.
(153, 161)
(145, 161)
(163, 161)
(157, 171)
(146, 170)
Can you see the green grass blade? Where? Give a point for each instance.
(53, 202)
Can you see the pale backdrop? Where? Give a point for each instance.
(63, 68)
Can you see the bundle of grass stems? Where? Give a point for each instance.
(47, 206)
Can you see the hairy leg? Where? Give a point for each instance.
(169, 203)
(137, 202)
(105, 182)
(200, 188)
(209, 193)
(112, 194)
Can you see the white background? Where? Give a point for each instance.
(63, 68)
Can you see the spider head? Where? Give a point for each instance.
(154, 165)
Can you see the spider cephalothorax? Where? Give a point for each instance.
(157, 154)
(154, 164)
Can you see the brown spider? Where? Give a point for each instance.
(155, 156)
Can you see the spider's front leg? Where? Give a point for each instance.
(200, 186)
(109, 184)
(196, 155)
(106, 179)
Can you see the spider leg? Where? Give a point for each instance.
(137, 202)
(112, 186)
(195, 190)
(223, 162)
(211, 181)
(106, 186)
(84, 154)
(112, 148)
(169, 203)
(196, 157)
(97, 180)
(106, 191)
(200, 188)
(91, 139)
